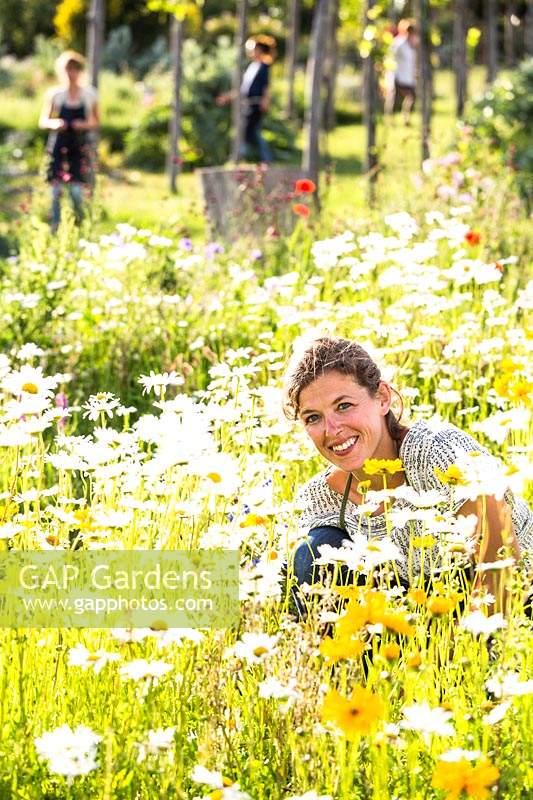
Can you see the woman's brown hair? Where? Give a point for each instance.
(333, 354)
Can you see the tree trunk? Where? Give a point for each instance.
(314, 78)
(528, 30)
(95, 39)
(292, 55)
(370, 99)
(491, 42)
(332, 61)
(460, 65)
(509, 34)
(176, 47)
(237, 109)
(424, 61)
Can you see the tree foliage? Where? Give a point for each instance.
(68, 21)
(503, 117)
(21, 22)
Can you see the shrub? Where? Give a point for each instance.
(504, 118)
(145, 143)
(205, 126)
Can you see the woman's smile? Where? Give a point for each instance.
(345, 447)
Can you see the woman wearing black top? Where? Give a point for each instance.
(69, 112)
(254, 94)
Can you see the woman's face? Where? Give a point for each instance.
(347, 425)
(72, 71)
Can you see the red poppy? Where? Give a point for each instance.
(473, 238)
(301, 210)
(305, 186)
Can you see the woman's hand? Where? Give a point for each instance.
(55, 124)
(224, 98)
(265, 101)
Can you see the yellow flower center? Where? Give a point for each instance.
(159, 625)
(30, 388)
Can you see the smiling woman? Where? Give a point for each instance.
(335, 389)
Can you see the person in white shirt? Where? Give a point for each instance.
(402, 83)
(255, 96)
(70, 113)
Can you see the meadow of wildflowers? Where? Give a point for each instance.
(140, 408)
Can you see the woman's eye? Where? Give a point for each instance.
(344, 406)
(310, 419)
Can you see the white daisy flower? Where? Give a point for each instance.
(69, 752)
(427, 720)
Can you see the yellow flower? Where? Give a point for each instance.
(372, 609)
(423, 541)
(508, 365)
(348, 592)
(417, 596)
(453, 475)
(395, 621)
(391, 651)
(482, 776)
(380, 466)
(159, 625)
(414, 660)
(341, 647)
(520, 391)
(8, 511)
(355, 618)
(84, 521)
(455, 777)
(218, 794)
(438, 604)
(501, 385)
(354, 715)
(251, 520)
(510, 385)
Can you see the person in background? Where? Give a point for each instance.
(70, 113)
(402, 83)
(255, 95)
